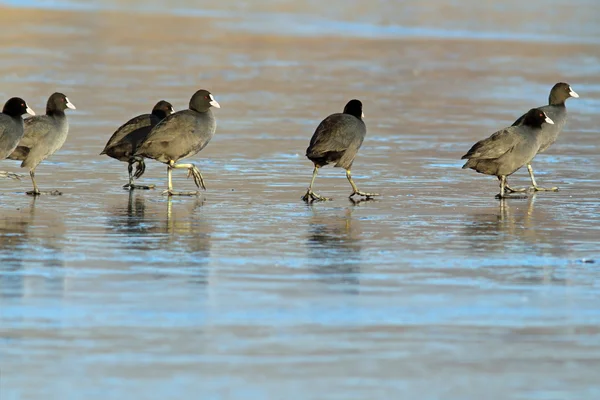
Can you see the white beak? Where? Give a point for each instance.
(213, 102)
(29, 111)
(69, 104)
(548, 120)
(572, 93)
(362, 114)
(172, 110)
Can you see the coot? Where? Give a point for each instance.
(337, 140)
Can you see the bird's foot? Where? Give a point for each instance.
(131, 186)
(11, 175)
(197, 175)
(39, 193)
(311, 196)
(140, 168)
(541, 189)
(520, 190)
(364, 194)
(173, 193)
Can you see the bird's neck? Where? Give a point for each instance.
(160, 114)
(55, 113)
(556, 102)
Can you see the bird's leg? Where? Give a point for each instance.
(140, 168)
(192, 171)
(535, 186)
(130, 170)
(36, 191)
(310, 195)
(139, 171)
(502, 194)
(355, 189)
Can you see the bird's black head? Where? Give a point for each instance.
(354, 107)
(536, 117)
(202, 100)
(560, 93)
(58, 102)
(163, 109)
(16, 107)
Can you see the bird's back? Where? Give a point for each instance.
(43, 136)
(505, 151)
(125, 141)
(337, 139)
(11, 132)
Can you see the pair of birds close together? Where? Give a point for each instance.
(168, 137)
(509, 149)
(35, 139)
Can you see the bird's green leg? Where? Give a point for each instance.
(192, 171)
(310, 195)
(535, 186)
(355, 189)
(35, 191)
(502, 194)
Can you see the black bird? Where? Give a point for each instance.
(337, 140)
(509, 149)
(181, 135)
(44, 135)
(123, 144)
(11, 127)
(557, 111)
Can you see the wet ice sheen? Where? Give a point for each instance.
(435, 290)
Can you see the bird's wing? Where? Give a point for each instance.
(180, 127)
(325, 139)
(34, 129)
(498, 144)
(139, 122)
(4, 140)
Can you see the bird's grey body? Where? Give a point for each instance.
(336, 141)
(43, 135)
(504, 152)
(557, 111)
(181, 135)
(507, 150)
